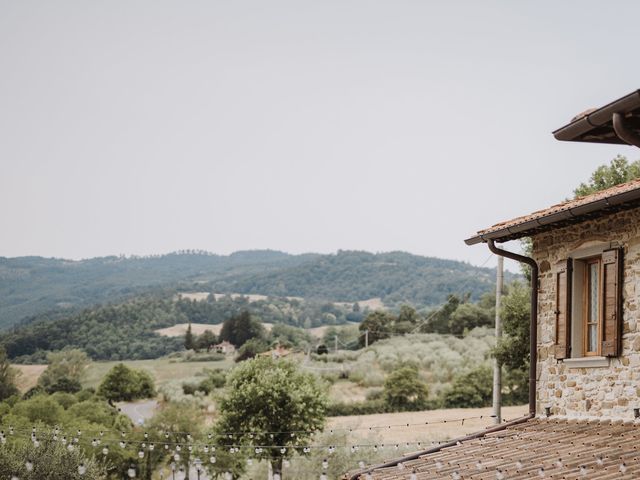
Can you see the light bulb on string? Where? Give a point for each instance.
(82, 469)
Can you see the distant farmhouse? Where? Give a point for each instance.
(225, 348)
(584, 420)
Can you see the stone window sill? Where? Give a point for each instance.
(587, 362)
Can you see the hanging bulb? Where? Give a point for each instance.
(146, 435)
(455, 476)
(36, 443)
(518, 466)
(413, 476)
(94, 443)
(599, 461)
(64, 440)
(209, 436)
(212, 459)
(140, 454)
(623, 467)
(70, 447)
(499, 475)
(178, 448)
(478, 465)
(82, 469)
(375, 448)
(122, 444)
(29, 465)
(559, 463)
(166, 447)
(105, 451)
(325, 464)
(583, 471)
(131, 472)
(122, 434)
(361, 464)
(283, 450)
(249, 461)
(276, 476)
(541, 473)
(206, 449)
(101, 433)
(10, 430)
(176, 457)
(79, 433)
(323, 476)
(400, 466)
(151, 447)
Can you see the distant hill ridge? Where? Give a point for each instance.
(33, 285)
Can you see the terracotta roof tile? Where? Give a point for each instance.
(542, 217)
(538, 448)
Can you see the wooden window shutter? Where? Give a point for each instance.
(612, 283)
(563, 309)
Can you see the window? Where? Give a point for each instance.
(589, 305)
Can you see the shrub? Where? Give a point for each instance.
(124, 383)
(251, 348)
(403, 389)
(471, 390)
(64, 399)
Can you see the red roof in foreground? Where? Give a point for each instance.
(539, 448)
(613, 199)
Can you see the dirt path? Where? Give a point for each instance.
(139, 412)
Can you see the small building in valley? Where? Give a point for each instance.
(225, 348)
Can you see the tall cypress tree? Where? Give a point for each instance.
(189, 342)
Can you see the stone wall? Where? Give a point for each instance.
(610, 391)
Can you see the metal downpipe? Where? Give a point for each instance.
(623, 131)
(533, 327)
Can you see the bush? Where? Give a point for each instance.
(209, 357)
(124, 383)
(322, 349)
(403, 390)
(340, 409)
(64, 399)
(251, 349)
(471, 390)
(64, 384)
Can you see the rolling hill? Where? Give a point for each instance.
(30, 286)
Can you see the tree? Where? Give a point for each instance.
(8, 376)
(512, 350)
(66, 366)
(469, 316)
(379, 324)
(406, 320)
(122, 383)
(606, 176)
(404, 390)
(267, 395)
(206, 340)
(239, 328)
(471, 390)
(174, 420)
(189, 342)
(251, 348)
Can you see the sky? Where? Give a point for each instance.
(144, 127)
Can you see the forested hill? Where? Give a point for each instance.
(32, 285)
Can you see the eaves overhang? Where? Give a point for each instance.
(575, 211)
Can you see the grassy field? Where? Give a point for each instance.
(399, 432)
(29, 375)
(163, 370)
(180, 329)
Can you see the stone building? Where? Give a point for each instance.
(584, 402)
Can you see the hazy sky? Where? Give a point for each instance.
(142, 127)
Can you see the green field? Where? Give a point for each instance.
(163, 370)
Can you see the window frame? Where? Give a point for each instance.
(586, 305)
